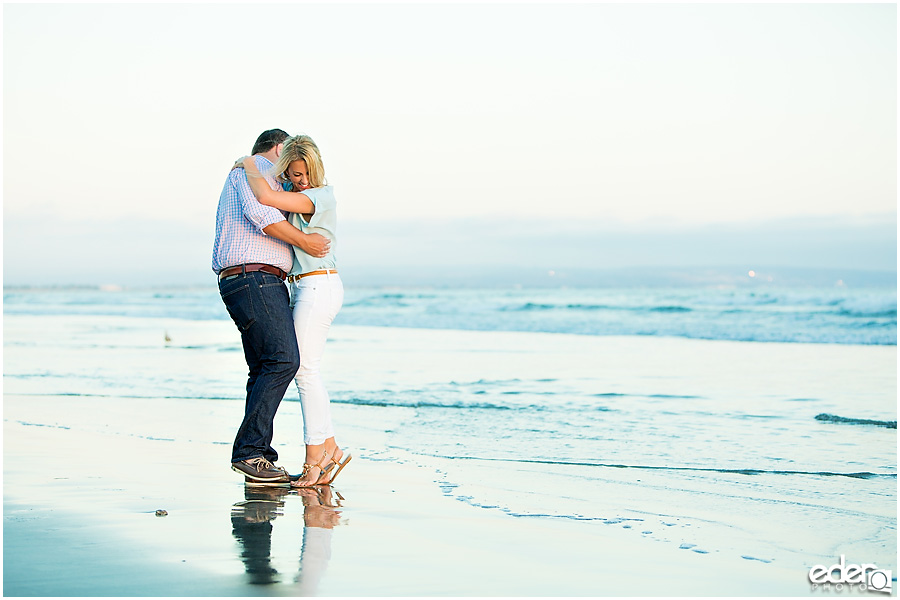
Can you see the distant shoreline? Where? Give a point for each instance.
(506, 277)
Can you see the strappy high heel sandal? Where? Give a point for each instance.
(307, 467)
(334, 463)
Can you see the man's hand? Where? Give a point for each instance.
(315, 244)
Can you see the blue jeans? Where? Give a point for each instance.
(258, 304)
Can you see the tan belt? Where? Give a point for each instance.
(293, 278)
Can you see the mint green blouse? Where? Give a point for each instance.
(323, 221)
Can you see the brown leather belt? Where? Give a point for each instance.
(293, 278)
(251, 267)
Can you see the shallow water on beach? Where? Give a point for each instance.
(740, 449)
(713, 446)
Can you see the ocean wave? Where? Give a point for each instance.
(489, 382)
(877, 314)
(747, 471)
(869, 305)
(740, 300)
(534, 306)
(27, 424)
(623, 395)
(380, 301)
(528, 306)
(524, 401)
(434, 404)
(670, 309)
(852, 421)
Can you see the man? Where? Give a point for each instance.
(251, 256)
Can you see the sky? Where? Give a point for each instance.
(472, 135)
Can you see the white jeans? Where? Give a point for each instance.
(315, 301)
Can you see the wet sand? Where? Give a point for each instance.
(79, 520)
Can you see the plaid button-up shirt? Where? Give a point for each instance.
(239, 225)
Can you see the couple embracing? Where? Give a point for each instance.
(276, 223)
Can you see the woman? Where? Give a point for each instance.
(316, 294)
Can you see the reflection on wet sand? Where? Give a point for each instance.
(319, 518)
(252, 525)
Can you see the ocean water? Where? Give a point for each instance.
(734, 422)
(824, 315)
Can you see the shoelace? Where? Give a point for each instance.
(260, 463)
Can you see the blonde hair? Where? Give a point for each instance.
(301, 147)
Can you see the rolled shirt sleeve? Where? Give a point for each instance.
(259, 214)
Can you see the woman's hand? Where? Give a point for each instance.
(239, 163)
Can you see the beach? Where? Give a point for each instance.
(485, 463)
(624, 325)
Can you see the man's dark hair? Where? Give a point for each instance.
(268, 140)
